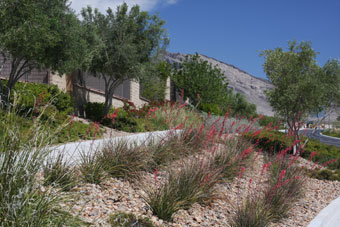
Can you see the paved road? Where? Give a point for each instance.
(321, 138)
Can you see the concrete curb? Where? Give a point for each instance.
(332, 137)
(73, 151)
(329, 216)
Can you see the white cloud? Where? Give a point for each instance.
(171, 2)
(102, 5)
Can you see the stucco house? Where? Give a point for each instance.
(86, 88)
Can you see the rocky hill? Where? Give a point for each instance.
(240, 81)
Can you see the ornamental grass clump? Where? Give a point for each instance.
(193, 182)
(176, 145)
(124, 160)
(91, 168)
(279, 187)
(59, 173)
(285, 185)
(253, 212)
(23, 200)
(232, 154)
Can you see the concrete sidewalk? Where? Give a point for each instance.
(73, 151)
(329, 216)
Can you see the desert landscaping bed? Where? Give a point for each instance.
(94, 203)
(205, 176)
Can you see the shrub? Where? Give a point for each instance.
(124, 160)
(51, 112)
(325, 153)
(151, 117)
(94, 111)
(58, 173)
(324, 174)
(331, 133)
(34, 94)
(210, 108)
(274, 141)
(22, 155)
(124, 121)
(190, 184)
(121, 219)
(266, 120)
(76, 130)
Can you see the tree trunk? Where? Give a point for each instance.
(15, 74)
(108, 102)
(294, 131)
(110, 87)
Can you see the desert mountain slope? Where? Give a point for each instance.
(241, 82)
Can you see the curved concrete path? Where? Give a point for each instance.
(329, 216)
(73, 151)
(322, 138)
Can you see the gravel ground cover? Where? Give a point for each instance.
(94, 203)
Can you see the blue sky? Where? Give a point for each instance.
(234, 31)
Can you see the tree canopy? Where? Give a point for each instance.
(153, 83)
(200, 81)
(127, 40)
(39, 33)
(206, 85)
(301, 86)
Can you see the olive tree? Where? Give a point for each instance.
(301, 86)
(36, 34)
(128, 38)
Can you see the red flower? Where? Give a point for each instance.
(241, 172)
(155, 173)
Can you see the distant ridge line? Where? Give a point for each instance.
(173, 55)
(233, 66)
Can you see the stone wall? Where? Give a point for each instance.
(135, 94)
(83, 95)
(60, 81)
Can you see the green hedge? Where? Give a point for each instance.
(273, 142)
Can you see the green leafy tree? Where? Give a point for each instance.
(36, 34)
(331, 85)
(207, 86)
(128, 40)
(153, 83)
(240, 106)
(201, 81)
(301, 86)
